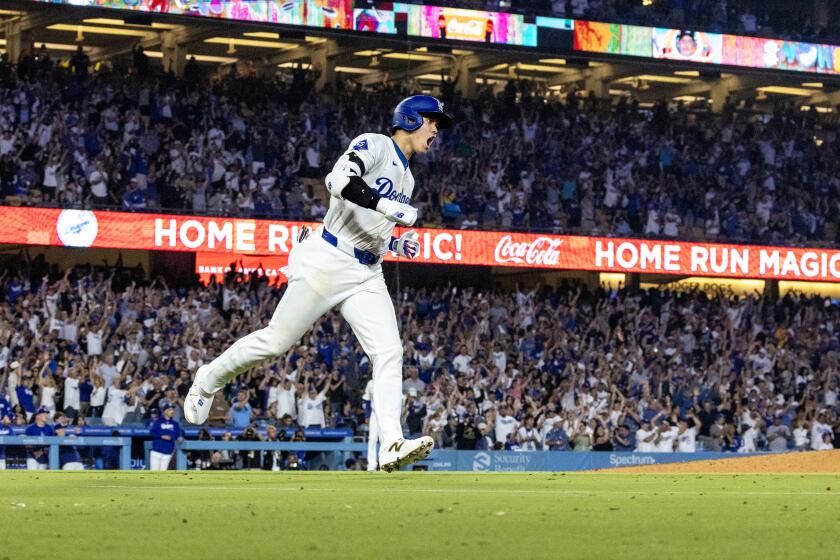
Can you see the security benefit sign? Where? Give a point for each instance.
(228, 237)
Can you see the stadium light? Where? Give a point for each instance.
(228, 41)
(353, 70)
(53, 46)
(82, 29)
(648, 78)
(104, 21)
(817, 108)
(411, 56)
(786, 90)
(198, 57)
(112, 21)
(262, 35)
(540, 68)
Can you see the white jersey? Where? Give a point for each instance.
(386, 170)
(687, 441)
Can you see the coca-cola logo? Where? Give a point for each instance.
(541, 251)
(471, 27)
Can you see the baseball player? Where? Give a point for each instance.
(164, 431)
(5, 430)
(69, 457)
(373, 427)
(339, 265)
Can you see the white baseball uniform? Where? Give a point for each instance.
(373, 429)
(327, 270)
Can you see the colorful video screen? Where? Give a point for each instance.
(547, 33)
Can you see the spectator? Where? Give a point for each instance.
(801, 440)
(602, 439)
(26, 397)
(311, 407)
(778, 436)
(72, 396)
(506, 424)
(646, 438)
(240, 414)
(687, 437)
(80, 62)
(413, 381)
(97, 397)
(296, 460)
(116, 405)
(528, 436)
(556, 438)
(249, 459)
(822, 435)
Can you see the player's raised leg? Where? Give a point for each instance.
(298, 309)
(372, 318)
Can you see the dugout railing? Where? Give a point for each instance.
(55, 442)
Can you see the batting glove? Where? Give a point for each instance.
(403, 214)
(407, 245)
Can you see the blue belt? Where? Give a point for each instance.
(364, 257)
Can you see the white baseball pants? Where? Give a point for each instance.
(321, 277)
(373, 439)
(159, 461)
(33, 465)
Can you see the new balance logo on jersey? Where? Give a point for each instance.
(362, 145)
(385, 188)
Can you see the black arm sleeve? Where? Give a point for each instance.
(358, 161)
(358, 192)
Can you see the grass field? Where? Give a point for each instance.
(417, 515)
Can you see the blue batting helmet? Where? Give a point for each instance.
(409, 113)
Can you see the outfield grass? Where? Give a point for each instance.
(189, 515)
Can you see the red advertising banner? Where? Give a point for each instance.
(218, 264)
(233, 236)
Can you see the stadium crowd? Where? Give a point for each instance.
(519, 158)
(556, 368)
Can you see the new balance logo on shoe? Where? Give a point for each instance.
(396, 446)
